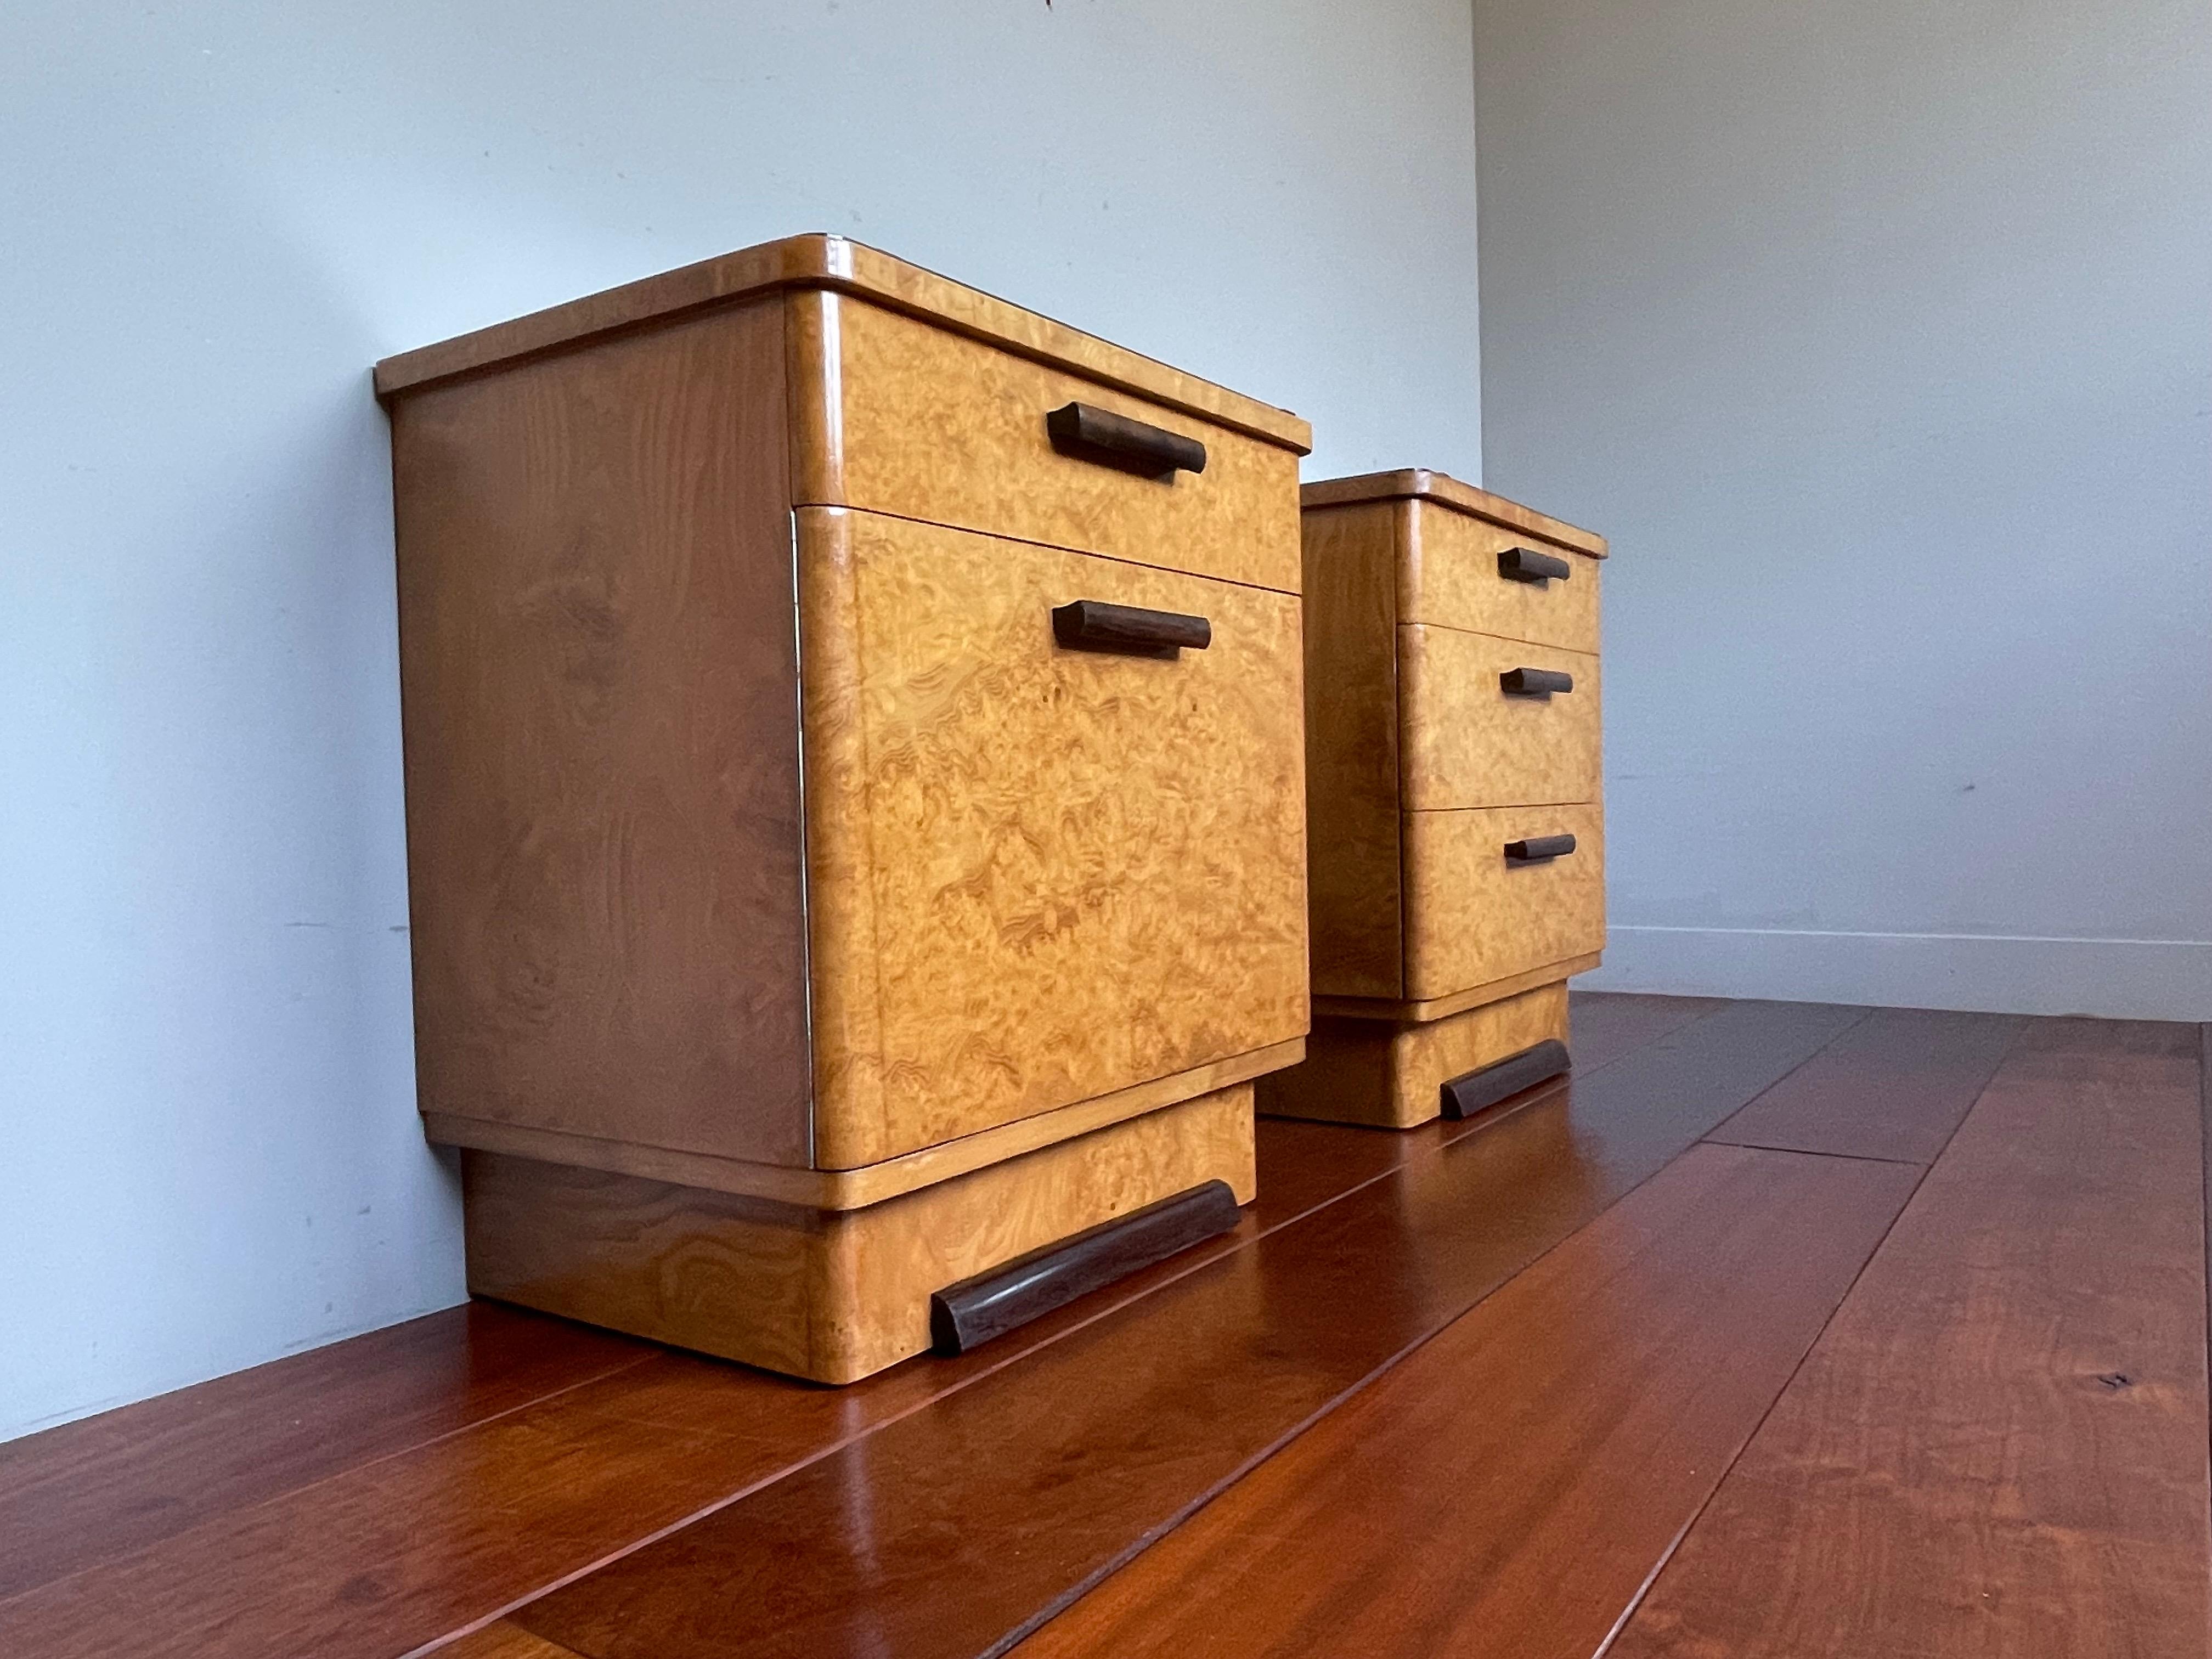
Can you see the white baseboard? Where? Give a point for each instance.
(2110, 978)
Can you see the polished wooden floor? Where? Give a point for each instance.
(1782, 1329)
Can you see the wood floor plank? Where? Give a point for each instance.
(501, 1639)
(958, 1529)
(1503, 1493)
(1998, 1446)
(103, 1488)
(1607, 1024)
(1894, 1086)
(153, 1506)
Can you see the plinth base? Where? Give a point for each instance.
(1392, 1075)
(830, 1295)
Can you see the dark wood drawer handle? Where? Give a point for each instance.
(1526, 564)
(1538, 849)
(1534, 681)
(1115, 440)
(1092, 625)
(1478, 1090)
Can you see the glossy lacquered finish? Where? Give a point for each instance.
(748, 915)
(952, 1530)
(1391, 1073)
(380, 1486)
(1998, 1446)
(1458, 1388)
(1454, 819)
(1502, 1494)
(834, 1295)
(1448, 699)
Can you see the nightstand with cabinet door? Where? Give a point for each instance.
(854, 774)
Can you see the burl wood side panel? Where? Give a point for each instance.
(1472, 918)
(1351, 748)
(832, 1296)
(919, 421)
(602, 747)
(1362, 1071)
(1451, 577)
(1039, 874)
(1467, 743)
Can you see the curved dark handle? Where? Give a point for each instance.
(1526, 564)
(1538, 849)
(1534, 681)
(1092, 625)
(1115, 440)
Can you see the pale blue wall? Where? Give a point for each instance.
(1879, 337)
(217, 216)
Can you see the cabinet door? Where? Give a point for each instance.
(1037, 874)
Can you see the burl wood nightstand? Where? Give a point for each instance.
(855, 792)
(1456, 819)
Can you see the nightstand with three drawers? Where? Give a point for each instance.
(1454, 816)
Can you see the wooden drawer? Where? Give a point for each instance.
(1449, 575)
(1472, 918)
(1036, 875)
(1467, 741)
(926, 423)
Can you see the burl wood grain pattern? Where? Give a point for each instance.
(830, 1296)
(1469, 743)
(1997, 1447)
(1404, 1011)
(922, 423)
(1042, 874)
(1449, 577)
(1359, 1071)
(1419, 483)
(870, 1183)
(837, 264)
(1503, 1491)
(1350, 558)
(602, 751)
(1472, 918)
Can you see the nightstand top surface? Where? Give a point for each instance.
(840, 266)
(1419, 483)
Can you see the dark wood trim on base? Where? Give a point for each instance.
(973, 1311)
(1479, 1091)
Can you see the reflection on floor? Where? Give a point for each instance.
(1781, 1330)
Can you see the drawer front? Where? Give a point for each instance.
(1037, 874)
(1451, 576)
(929, 424)
(1473, 918)
(1469, 741)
